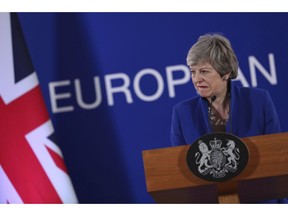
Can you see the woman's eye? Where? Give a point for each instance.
(205, 71)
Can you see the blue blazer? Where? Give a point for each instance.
(252, 113)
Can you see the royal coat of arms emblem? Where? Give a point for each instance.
(217, 157)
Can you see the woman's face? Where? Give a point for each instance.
(207, 81)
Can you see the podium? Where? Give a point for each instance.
(169, 180)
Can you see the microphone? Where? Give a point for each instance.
(213, 98)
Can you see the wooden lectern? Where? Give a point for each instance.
(169, 180)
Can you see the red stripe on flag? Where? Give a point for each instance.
(57, 159)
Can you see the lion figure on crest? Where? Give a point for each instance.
(204, 158)
(232, 153)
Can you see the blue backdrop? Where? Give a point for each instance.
(110, 81)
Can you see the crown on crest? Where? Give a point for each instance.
(215, 144)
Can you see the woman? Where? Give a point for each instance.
(221, 105)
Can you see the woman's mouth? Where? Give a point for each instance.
(202, 87)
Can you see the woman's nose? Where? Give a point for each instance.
(197, 77)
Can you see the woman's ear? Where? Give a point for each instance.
(226, 76)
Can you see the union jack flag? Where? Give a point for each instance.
(32, 169)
